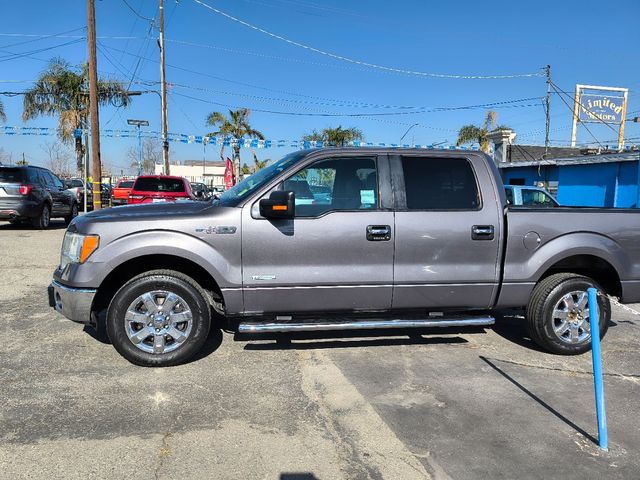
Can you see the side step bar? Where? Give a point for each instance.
(316, 326)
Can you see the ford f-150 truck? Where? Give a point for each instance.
(391, 238)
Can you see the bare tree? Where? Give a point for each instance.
(5, 158)
(151, 154)
(58, 158)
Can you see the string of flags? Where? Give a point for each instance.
(214, 140)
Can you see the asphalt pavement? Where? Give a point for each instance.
(442, 404)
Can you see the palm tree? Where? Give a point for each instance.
(335, 136)
(480, 134)
(235, 126)
(63, 90)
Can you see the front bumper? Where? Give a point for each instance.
(73, 303)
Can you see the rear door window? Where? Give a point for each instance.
(440, 184)
(168, 185)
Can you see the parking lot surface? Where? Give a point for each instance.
(440, 404)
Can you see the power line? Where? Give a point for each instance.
(360, 62)
(42, 37)
(330, 114)
(14, 56)
(135, 12)
(321, 100)
(420, 109)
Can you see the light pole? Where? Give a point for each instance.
(139, 123)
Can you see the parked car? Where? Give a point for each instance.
(160, 188)
(120, 195)
(34, 194)
(76, 186)
(201, 191)
(529, 196)
(411, 238)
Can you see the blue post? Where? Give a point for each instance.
(139, 151)
(596, 356)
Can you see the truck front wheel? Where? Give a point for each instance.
(558, 313)
(158, 319)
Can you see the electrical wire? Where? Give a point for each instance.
(135, 12)
(421, 109)
(315, 99)
(14, 56)
(360, 62)
(55, 35)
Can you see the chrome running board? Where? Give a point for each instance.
(316, 326)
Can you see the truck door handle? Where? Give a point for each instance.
(482, 232)
(378, 233)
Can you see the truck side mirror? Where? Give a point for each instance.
(280, 204)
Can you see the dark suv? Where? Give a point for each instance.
(34, 194)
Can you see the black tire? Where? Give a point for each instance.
(73, 214)
(540, 317)
(43, 220)
(159, 280)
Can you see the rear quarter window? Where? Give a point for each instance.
(169, 185)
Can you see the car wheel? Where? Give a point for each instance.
(159, 319)
(42, 221)
(558, 313)
(73, 214)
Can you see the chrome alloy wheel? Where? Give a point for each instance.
(158, 322)
(571, 318)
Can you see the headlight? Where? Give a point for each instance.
(76, 248)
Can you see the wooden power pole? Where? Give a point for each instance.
(547, 109)
(163, 89)
(96, 167)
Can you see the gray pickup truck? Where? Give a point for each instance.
(345, 238)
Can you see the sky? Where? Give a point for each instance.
(215, 63)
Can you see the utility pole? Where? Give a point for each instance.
(163, 89)
(547, 109)
(96, 167)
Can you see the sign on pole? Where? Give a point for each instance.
(603, 105)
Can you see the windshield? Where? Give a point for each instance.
(251, 184)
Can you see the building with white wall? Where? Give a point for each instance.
(210, 173)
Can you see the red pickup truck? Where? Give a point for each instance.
(121, 191)
(160, 188)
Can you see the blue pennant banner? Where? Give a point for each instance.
(216, 141)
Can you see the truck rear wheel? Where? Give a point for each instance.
(558, 313)
(158, 319)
